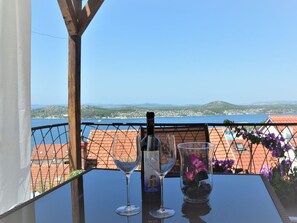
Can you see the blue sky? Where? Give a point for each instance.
(170, 52)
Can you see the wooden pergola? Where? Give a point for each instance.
(77, 20)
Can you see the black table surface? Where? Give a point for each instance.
(94, 196)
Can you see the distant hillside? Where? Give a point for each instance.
(136, 111)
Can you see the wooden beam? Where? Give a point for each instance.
(87, 14)
(74, 101)
(70, 16)
(76, 21)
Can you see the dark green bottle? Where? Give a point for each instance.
(150, 182)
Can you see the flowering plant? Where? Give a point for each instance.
(281, 176)
(275, 144)
(283, 180)
(222, 166)
(197, 171)
(196, 184)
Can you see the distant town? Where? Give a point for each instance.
(139, 111)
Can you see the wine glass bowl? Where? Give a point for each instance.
(126, 153)
(161, 158)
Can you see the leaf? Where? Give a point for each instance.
(202, 175)
(238, 170)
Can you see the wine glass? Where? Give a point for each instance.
(126, 153)
(161, 158)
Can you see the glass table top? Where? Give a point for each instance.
(94, 196)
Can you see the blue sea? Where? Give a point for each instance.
(256, 118)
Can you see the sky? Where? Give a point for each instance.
(170, 52)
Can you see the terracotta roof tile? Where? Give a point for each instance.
(99, 144)
(223, 150)
(287, 131)
(253, 157)
(282, 118)
(49, 151)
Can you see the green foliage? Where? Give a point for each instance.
(74, 174)
(228, 122)
(213, 108)
(282, 178)
(285, 187)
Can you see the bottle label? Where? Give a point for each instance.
(151, 179)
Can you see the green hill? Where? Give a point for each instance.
(136, 111)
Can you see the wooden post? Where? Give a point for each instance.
(76, 20)
(77, 197)
(74, 102)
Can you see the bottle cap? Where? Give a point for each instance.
(150, 114)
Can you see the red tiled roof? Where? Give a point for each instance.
(50, 151)
(225, 150)
(99, 147)
(49, 165)
(291, 130)
(99, 144)
(282, 118)
(222, 151)
(253, 157)
(47, 176)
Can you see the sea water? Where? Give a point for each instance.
(250, 118)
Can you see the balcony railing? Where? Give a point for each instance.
(50, 161)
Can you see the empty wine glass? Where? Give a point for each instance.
(161, 158)
(126, 153)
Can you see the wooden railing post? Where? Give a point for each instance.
(74, 102)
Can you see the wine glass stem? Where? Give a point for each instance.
(128, 188)
(161, 184)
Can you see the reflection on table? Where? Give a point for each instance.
(94, 196)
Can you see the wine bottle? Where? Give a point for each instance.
(150, 182)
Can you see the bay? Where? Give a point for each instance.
(249, 118)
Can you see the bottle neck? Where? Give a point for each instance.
(150, 126)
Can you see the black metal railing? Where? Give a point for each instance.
(50, 161)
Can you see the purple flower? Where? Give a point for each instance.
(259, 132)
(222, 166)
(196, 171)
(288, 162)
(276, 152)
(197, 164)
(190, 175)
(239, 133)
(284, 167)
(287, 147)
(266, 172)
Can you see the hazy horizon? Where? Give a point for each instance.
(156, 104)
